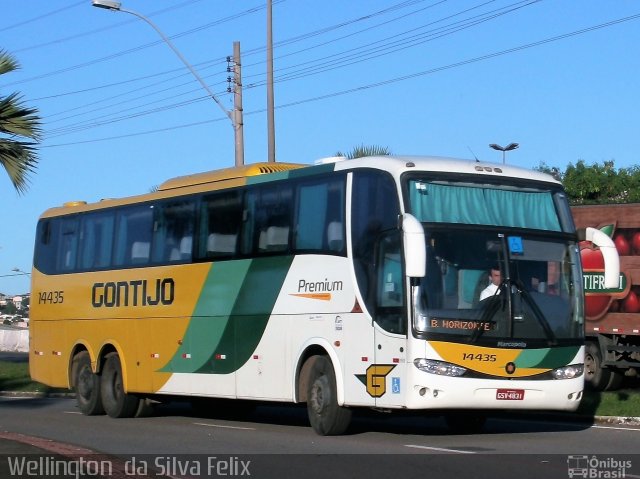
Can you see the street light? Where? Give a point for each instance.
(503, 149)
(237, 125)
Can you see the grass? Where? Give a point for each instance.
(14, 376)
(623, 403)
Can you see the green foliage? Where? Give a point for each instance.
(597, 183)
(622, 403)
(17, 123)
(362, 151)
(9, 308)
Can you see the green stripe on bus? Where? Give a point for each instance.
(296, 173)
(231, 315)
(548, 358)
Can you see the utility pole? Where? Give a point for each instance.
(237, 103)
(271, 150)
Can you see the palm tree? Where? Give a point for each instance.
(361, 151)
(17, 123)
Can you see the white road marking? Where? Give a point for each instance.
(224, 427)
(440, 449)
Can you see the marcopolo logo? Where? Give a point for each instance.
(597, 467)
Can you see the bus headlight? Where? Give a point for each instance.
(568, 372)
(438, 367)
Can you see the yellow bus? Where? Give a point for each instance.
(341, 285)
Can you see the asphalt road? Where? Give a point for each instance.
(277, 442)
(14, 357)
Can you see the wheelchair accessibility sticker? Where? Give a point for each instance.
(395, 385)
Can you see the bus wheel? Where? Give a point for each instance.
(327, 418)
(597, 376)
(465, 422)
(86, 385)
(116, 402)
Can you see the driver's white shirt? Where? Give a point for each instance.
(488, 291)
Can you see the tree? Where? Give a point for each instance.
(597, 183)
(9, 308)
(361, 151)
(18, 125)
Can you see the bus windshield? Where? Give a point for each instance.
(488, 285)
(485, 204)
(498, 264)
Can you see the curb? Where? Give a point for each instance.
(36, 394)
(627, 421)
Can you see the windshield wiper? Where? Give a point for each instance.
(539, 315)
(493, 305)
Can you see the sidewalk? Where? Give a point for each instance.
(77, 461)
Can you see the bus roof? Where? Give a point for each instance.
(209, 177)
(397, 165)
(239, 176)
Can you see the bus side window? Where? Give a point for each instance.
(133, 235)
(320, 216)
(248, 221)
(390, 272)
(375, 210)
(390, 285)
(220, 224)
(97, 240)
(47, 245)
(68, 245)
(267, 215)
(276, 208)
(173, 231)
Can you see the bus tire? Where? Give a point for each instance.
(327, 418)
(597, 376)
(117, 403)
(86, 385)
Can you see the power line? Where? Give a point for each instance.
(377, 84)
(42, 16)
(400, 42)
(328, 63)
(58, 41)
(137, 48)
(245, 54)
(319, 68)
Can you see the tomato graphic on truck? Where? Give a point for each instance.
(612, 326)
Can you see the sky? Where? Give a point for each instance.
(121, 113)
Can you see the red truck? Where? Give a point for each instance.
(612, 316)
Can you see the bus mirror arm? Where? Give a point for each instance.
(415, 249)
(609, 254)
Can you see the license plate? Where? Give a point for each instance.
(510, 394)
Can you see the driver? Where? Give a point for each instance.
(495, 277)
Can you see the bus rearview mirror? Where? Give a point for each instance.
(415, 250)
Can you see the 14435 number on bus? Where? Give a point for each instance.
(51, 297)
